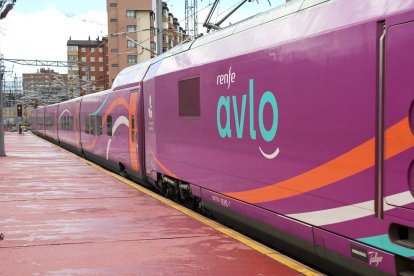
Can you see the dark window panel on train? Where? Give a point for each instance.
(132, 128)
(99, 124)
(109, 126)
(92, 125)
(189, 97)
(86, 123)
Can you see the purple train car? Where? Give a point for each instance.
(68, 125)
(39, 127)
(295, 126)
(50, 122)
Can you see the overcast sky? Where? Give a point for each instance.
(37, 29)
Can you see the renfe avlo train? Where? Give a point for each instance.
(295, 126)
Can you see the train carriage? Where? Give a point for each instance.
(296, 126)
(68, 125)
(40, 121)
(50, 122)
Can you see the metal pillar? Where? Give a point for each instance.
(2, 150)
(158, 15)
(191, 18)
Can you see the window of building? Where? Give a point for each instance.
(72, 48)
(100, 49)
(83, 49)
(100, 59)
(189, 97)
(92, 59)
(114, 20)
(132, 59)
(84, 78)
(152, 15)
(92, 78)
(113, 5)
(92, 68)
(83, 59)
(109, 126)
(100, 69)
(115, 65)
(114, 50)
(92, 50)
(83, 69)
(153, 46)
(152, 31)
(131, 14)
(72, 58)
(131, 28)
(131, 44)
(93, 87)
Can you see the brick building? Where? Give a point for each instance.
(88, 72)
(45, 87)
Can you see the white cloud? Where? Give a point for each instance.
(43, 35)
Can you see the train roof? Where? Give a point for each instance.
(138, 71)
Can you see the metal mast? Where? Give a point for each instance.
(191, 20)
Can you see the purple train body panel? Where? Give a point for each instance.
(296, 125)
(68, 124)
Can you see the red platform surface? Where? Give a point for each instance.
(60, 215)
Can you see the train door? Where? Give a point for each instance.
(398, 128)
(134, 130)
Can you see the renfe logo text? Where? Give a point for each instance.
(225, 105)
(226, 79)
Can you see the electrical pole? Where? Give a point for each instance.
(2, 151)
(159, 26)
(191, 20)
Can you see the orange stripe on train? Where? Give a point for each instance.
(398, 138)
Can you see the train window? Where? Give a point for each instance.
(92, 125)
(132, 128)
(189, 97)
(109, 126)
(86, 123)
(99, 124)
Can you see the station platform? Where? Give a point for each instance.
(61, 214)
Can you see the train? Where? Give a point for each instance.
(295, 126)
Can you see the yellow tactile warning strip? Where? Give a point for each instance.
(217, 226)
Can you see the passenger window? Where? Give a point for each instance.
(109, 126)
(132, 128)
(71, 123)
(92, 124)
(99, 124)
(189, 97)
(86, 123)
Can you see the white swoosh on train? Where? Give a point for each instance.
(122, 120)
(351, 212)
(63, 112)
(270, 156)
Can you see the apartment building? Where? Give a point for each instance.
(88, 66)
(132, 33)
(45, 87)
